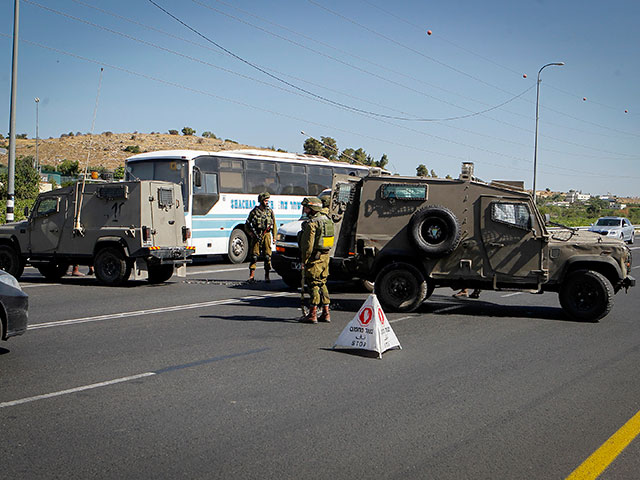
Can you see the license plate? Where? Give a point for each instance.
(296, 266)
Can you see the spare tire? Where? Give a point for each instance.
(434, 230)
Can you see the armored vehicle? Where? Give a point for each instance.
(117, 227)
(412, 234)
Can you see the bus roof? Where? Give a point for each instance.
(249, 153)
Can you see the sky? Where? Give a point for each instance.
(364, 72)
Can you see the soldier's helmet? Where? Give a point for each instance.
(314, 203)
(263, 196)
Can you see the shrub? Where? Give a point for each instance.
(107, 134)
(22, 136)
(132, 149)
(188, 131)
(208, 134)
(173, 132)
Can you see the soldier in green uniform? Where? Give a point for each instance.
(316, 240)
(261, 225)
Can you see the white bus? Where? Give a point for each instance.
(219, 189)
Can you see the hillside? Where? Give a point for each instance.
(107, 150)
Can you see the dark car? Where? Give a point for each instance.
(14, 305)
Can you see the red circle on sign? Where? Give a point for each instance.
(381, 316)
(365, 316)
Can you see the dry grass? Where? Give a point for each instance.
(107, 150)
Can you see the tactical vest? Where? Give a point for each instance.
(324, 233)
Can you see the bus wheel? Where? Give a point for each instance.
(238, 246)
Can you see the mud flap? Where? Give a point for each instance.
(181, 270)
(139, 270)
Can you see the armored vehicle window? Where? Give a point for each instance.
(345, 192)
(515, 214)
(260, 177)
(165, 197)
(112, 192)
(292, 178)
(403, 192)
(319, 179)
(175, 171)
(47, 206)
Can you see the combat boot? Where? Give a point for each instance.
(252, 276)
(266, 276)
(312, 316)
(326, 316)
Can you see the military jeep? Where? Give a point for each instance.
(117, 227)
(412, 234)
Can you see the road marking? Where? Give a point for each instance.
(637, 266)
(599, 460)
(172, 368)
(511, 294)
(153, 311)
(13, 403)
(403, 318)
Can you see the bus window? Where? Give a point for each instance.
(292, 179)
(231, 176)
(260, 177)
(319, 179)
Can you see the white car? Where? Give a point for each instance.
(617, 227)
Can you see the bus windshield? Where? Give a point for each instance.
(175, 171)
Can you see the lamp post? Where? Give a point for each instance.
(535, 148)
(37, 165)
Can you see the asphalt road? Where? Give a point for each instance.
(210, 377)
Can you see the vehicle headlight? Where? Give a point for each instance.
(10, 280)
(280, 237)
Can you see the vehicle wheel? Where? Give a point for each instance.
(400, 287)
(430, 288)
(238, 246)
(10, 261)
(586, 295)
(632, 238)
(111, 267)
(160, 273)
(53, 271)
(435, 230)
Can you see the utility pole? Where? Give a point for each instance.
(37, 165)
(12, 117)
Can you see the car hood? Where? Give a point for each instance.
(583, 237)
(291, 228)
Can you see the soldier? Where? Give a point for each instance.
(261, 225)
(316, 240)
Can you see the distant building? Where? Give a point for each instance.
(573, 197)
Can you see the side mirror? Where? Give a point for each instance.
(197, 177)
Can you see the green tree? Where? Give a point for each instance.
(68, 168)
(382, 163)
(312, 146)
(422, 171)
(596, 205)
(433, 173)
(208, 134)
(188, 131)
(118, 173)
(26, 188)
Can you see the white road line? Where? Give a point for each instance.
(637, 266)
(74, 390)
(511, 294)
(153, 311)
(31, 285)
(402, 318)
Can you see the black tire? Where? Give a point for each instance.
(53, 271)
(111, 267)
(586, 296)
(435, 230)
(160, 273)
(400, 287)
(10, 261)
(238, 246)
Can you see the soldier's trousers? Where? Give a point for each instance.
(260, 247)
(315, 274)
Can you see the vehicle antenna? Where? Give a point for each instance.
(77, 226)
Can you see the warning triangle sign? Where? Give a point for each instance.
(369, 330)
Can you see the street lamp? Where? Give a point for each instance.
(37, 165)
(535, 148)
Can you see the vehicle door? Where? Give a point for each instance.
(627, 229)
(47, 221)
(167, 214)
(513, 240)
